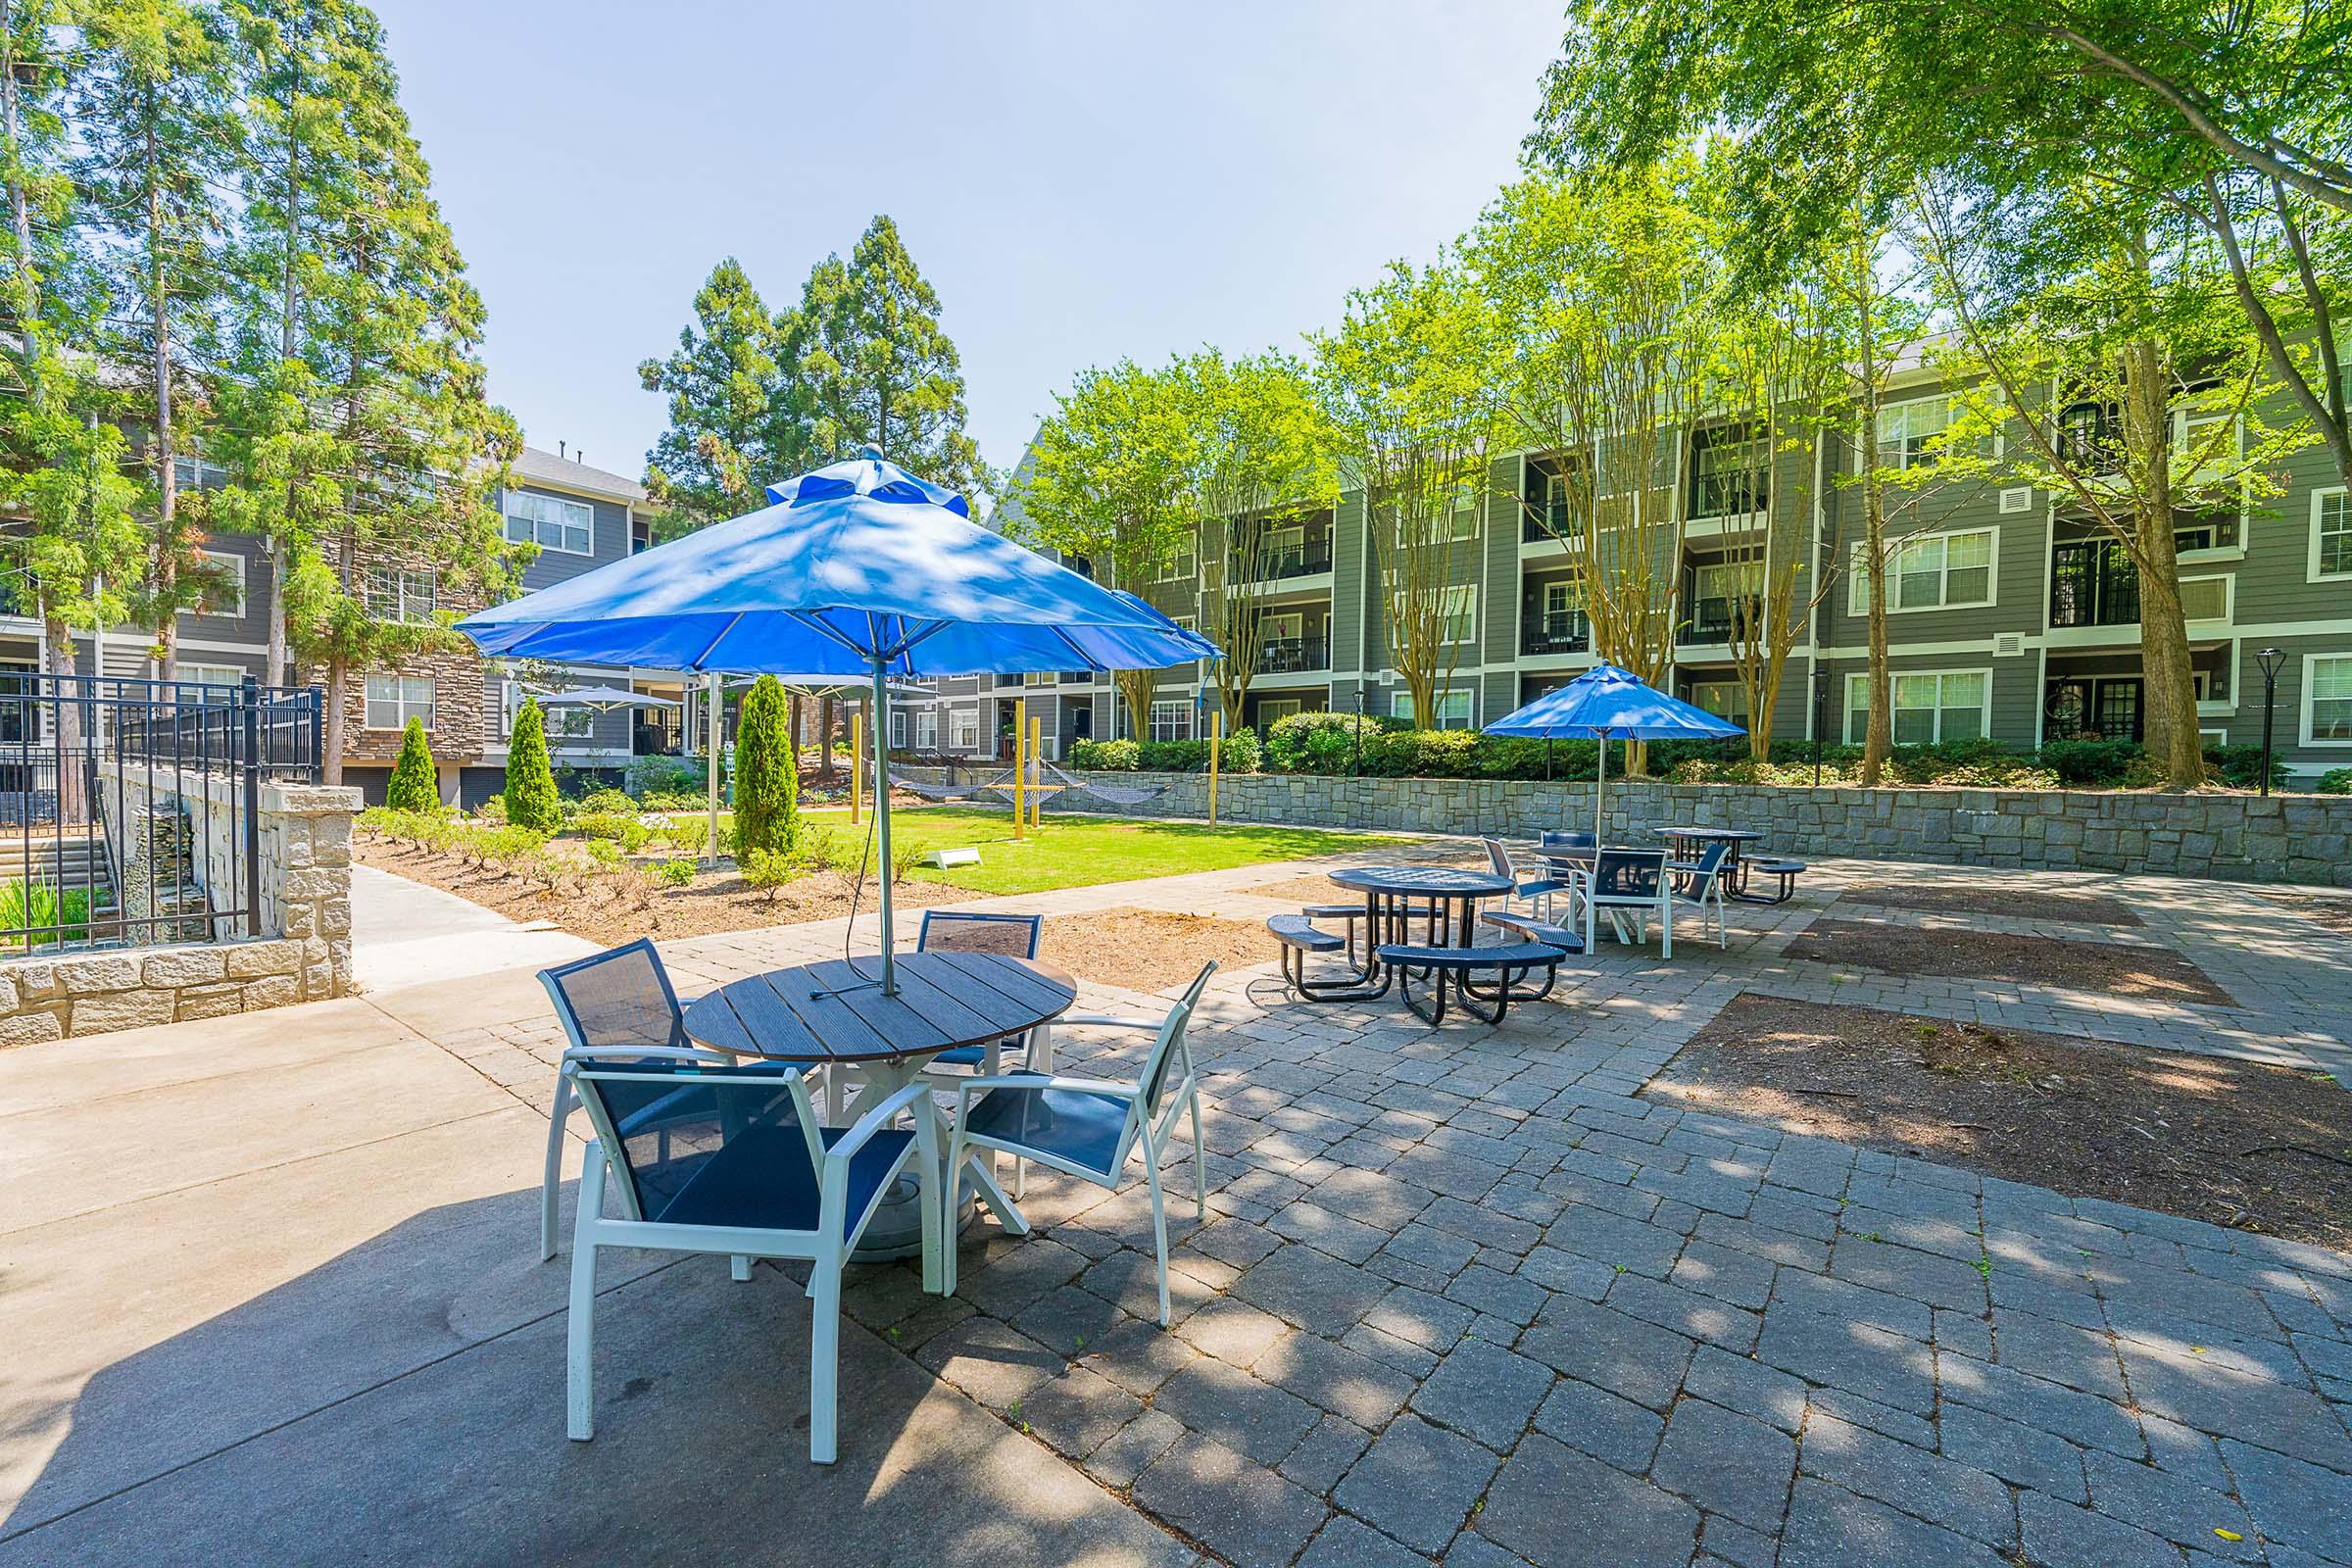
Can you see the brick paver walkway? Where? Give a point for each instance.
(1464, 1298)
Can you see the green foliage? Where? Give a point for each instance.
(733, 423)
(1106, 757)
(674, 873)
(2089, 763)
(673, 801)
(614, 827)
(766, 870)
(26, 907)
(768, 782)
(530, 793)
(821, 849)
(415, 785)
(2241, 766)
(679, 783)
(687, 833)
(2336, 781)
(605, 855)
(1316, 742)
(492, 811)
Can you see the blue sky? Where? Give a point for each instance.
(1079, 181)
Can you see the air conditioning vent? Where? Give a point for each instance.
(2008, 644)
(2021, 499)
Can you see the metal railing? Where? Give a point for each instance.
(1290, 655)
(1555, 632)
(130, 810)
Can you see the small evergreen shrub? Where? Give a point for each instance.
(1106, 756)
(415, 786)
(608, 801)
(768, 870)
(2336, 781)
(674, 873)
(531, 794)
(766, 772)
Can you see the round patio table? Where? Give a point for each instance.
(835, 1014)
(1735, 871)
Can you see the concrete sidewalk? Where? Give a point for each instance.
(406, 933)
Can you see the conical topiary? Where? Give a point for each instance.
(415, 785)
(768, 783)
(530, 783)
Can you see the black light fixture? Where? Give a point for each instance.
(1359, 729)
(2272, 660)
(1821, 718)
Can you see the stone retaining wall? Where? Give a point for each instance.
(302, 954)
(2286, 838)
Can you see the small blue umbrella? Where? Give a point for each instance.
(860, 568)
(1608, 704)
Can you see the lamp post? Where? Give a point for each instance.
(1820, 720)
(2272, 660)
(1359, 729)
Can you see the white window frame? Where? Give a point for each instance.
(1272, 623)
(2311, 663)
(1739, 713)
(405, 704)
(960, 721)
(236, 569)
(537, 522)
(1857, 702)
(399, 579)
(563, 722)
(1176, 725)
(2228, 582)
(1182, 564)
(926, 732)
(1401, 706)
(202, 674)
(2318, 510)
(1459, 602)
(898, 729)
(1857, 586)
(189, 472)
(1272, 711)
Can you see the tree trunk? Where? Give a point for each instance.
(57, 650)
(275, 671)
(1135, 688)
(1878, 740)
(824, 737)
(2169, 699)
(797, 721)
(331, 742)
(166, 537)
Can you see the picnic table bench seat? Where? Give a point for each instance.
(1787, 871)
(1506, 962)
(1529, 929)
(1298, 931)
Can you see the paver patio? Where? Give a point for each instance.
(1462, 1296)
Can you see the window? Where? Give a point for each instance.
(1729, 471)
(394, 700)
(195, 474)
(1931, 572)
(1911, 435)
(405, 594)
(210, 675)
(897, 730)
(1178, 563)
(1271, 710)
(1451, 708)
(1460, 610)
(1468, 502)
(551, 522)
(1171, 721)
(1546, 501)
(2091, 436)
(965, 729)
(1725, 698)
(1946, 706)
(2330, 533)
(1287, 626)
(926, 731)
(564, 721)
(224, 594)
(2327, 700)
(1723, 597)
(2205, 598)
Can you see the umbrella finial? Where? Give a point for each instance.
(871, 453)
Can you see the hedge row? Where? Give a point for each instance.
(1334, 744)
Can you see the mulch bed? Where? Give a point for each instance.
(1312, 888)
(2335, 913)
(2017, 904)
(1151, 949)
(2240, 1143)
(2108, 968)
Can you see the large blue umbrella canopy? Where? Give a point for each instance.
(1609, 704)
(858, 568)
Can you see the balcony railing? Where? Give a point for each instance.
(2093, 583)
(1291, 560)
(1567, 632)
(1293, 656)
(1547, 521)
(1721, 620)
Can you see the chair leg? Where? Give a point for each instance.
(1666, 929)
(1200, 1164)
(739, 1268)
(824, 1360)
(1159, 1222)
(579, 1372)
(945, 1202)
(554, 1177)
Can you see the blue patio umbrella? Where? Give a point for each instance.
(856, 570)
(1608, 704)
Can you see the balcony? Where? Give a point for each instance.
(2093, 583)
(1567, 632)
(1717, 621)
(1547, 520)
(1293, 656)
(1303, 559)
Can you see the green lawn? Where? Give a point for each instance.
(1072, 852)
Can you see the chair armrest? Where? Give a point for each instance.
(1104, 1020)
(642, 1053)
(874, 1121)
(966, 1087)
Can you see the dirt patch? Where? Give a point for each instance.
(2334, 913)
(2242, 1144)
(2107, 968)
(2016, 903)
(1151, 949)
(1311, 887)
(617, 907)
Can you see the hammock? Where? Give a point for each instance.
(1043, 777)
(934, 792)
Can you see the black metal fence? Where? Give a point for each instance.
(130, 809)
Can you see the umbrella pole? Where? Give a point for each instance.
(1601, 784)
(890, 975)
(711, 763)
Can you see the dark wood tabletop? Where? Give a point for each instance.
(1730, 835)
(831, 1012)
(1433, 881)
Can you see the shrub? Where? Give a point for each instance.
(674, 800)
(492, 811)
(2092, 764)
(614, 827)
(766, 772)
(1420, 753)
(1173, 756)
(415, 786)
(27, 906)
(820, 848)
(674, 873)
(608, 801)
(1242, 751)
(649, 776)
(1108, 756)
(530, 796)
(1319, 742)
(905, 859)
(605, 855)
(766, 870)
(2241, 766)
(2336, 781)
(688, 833)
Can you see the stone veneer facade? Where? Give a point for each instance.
(2285, 838)
(304, 953)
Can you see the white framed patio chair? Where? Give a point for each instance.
(1701, 887)
(1090, 1127)
(1013, 936)
(617, 1005)
(1626, 884)
(704, 1159)
(1531, 886)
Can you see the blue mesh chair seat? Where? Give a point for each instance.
(1014, 936)
(1090, 1127)
(1628, 882)
(1535, 888)
(706, 1159)
(1078, 1125)
(1701, 888)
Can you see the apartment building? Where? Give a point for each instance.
(2011, 614)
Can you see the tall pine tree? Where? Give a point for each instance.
(734, 425)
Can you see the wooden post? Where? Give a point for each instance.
(856, 757)
(1217, 743)
(1020, 771)
(1037, 752)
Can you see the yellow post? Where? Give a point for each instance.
(856, 753)
(1217, 743)
(1037, 752)
(1020, 772)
